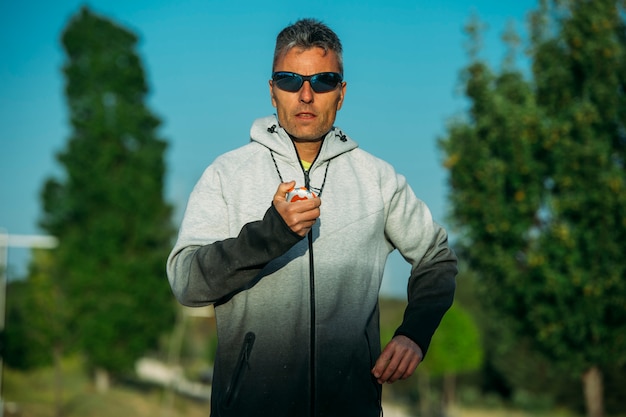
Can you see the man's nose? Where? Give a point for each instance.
(306, 92)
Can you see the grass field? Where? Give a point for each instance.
(36, 393)
(33, 394)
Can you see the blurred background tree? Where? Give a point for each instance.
(107, 209)
(456, 349)
(538, 186)
(37, 335)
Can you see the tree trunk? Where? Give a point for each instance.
(594, 392)
(449, 393)
(423, 387)
(58, 381)
(102, 380)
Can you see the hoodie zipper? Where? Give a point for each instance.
(312, 317)
(312, 335)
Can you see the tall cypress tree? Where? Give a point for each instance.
(538, 180)
(108, 208)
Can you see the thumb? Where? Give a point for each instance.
(282, 190)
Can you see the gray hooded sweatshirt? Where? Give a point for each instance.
(297, 318)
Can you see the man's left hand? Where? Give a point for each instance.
(398, 360)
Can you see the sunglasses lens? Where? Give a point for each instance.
(320, 83)
(288, 81)
(325, 81)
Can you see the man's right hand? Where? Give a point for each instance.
(301, 215)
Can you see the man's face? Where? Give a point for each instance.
(306, 115)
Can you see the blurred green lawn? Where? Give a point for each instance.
(32, 394)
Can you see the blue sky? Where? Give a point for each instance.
(208, 63)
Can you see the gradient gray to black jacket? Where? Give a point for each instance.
(236, 252)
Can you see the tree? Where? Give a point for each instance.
(538, 187)
(455, 349)
(24, 347)
(47, 317)
(108, 210)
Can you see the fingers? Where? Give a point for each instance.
(281, 191)
(300, 216)
(398, 360)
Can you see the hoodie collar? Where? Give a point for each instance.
(268, 132)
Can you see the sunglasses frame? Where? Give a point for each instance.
(312, 79)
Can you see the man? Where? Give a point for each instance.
(295, 284)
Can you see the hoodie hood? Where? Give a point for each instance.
(268, 132)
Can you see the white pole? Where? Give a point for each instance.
(23, 241)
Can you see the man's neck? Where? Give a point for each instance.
(307, 151)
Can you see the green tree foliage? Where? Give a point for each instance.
(108, 210)
(35, 316)
(539, 185)
(581, 85)
(456, 347)
(21, 349)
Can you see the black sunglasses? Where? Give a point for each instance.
(322, 82)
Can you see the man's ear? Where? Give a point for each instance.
(272, 96)
(342, 95)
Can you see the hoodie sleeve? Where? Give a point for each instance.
(424, 244)
(205, 265)
(430, 293)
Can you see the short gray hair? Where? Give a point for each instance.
(307, 34)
